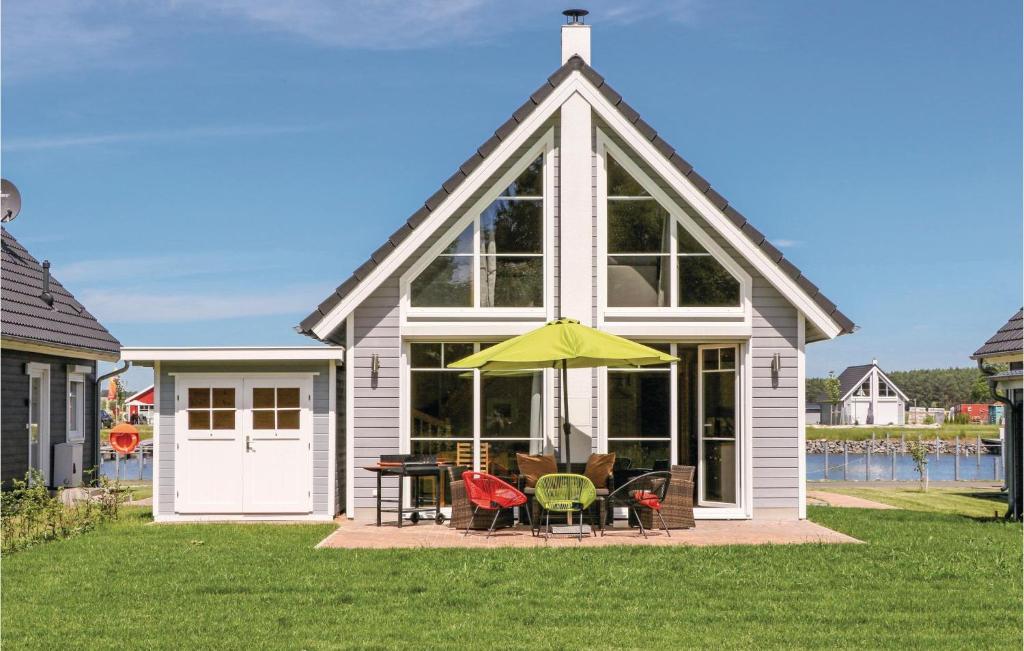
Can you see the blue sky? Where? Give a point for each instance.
(205, 172)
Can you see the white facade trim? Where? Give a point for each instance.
(156, 439)
(56, 351)
(232, 353)
(350, 418)
(332, 439)
(801, 414)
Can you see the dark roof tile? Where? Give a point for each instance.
(592, 76)
(471, 163)
(628, 112)
(310, 321)
(328, 303)
(807, 285)
(698, 181)
(523, 112)
(542, 93)
(454, 181)
(755, 235)
(610, 94)
(718, 200)
(680, 163)
(1006, 341)
(646, 130)
(382, 252)
(788, 267)
(663, 147)
(489, 146)
(773, 253)
(825, 304)
(344, 288)
(364, 269)
(735, 216)
(506, 129)
(436, 199)
(404, 231)
(418, 217)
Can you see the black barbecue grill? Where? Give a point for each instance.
(415, 466)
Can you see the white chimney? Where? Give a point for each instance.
(874, 361)
(575, 36)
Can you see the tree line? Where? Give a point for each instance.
(932, 387)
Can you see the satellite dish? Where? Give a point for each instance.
(10, 201)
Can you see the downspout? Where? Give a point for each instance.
(988, 372)
(96, 446)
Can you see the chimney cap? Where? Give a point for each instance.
(574, 16)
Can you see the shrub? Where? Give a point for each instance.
(919, 453)
(929, 420)
(30, 515)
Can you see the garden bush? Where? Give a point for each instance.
(30, 514)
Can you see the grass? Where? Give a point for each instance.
(977, 503)
(145, 432)
(924, 580)
(946, 432)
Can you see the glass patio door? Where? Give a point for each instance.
(718, 472)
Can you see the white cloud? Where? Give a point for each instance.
(117, 306)
(87, 140)
(786, 244)
(43, 36)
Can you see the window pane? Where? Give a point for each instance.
(198, 398)
(262, 398)
(710, 362)
(639, 404)
(640, 456)
(442, 403)
(530, 183)
(74, 399)
(446, 282)
(637, 227)
(224, 419)
(511, 281)
(512, 406)
(687, 243)
(263, 419)
(512, 227)
(703, 282)
(720, 471)
(499, 457)
(425, 355)
(199, 420)
(288, 419)
(287, 397)
(638, 281)
(728, 357)
(620, 183)
(720, 405)
(223, 398)
(455, 352)
(463, 243)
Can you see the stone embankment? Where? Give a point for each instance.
(881, 446)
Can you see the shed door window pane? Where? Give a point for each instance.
(211, 408)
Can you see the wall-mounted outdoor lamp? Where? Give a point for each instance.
(776, 367)
(375, 364)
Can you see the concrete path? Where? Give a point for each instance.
(845, 501)
(356, 534)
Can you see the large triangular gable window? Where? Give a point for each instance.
(647, 248)
(497, 259)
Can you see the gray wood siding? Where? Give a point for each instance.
(322, 482)
(775, 436)
(14, 391)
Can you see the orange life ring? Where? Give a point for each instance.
(124, 438)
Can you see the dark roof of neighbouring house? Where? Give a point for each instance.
(575, 63)
(26, 317)
(851, 377)
(1007, 340)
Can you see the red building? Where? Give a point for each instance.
(976, 412)
(139, 406)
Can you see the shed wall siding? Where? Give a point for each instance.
(322, 482)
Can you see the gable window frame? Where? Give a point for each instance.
(679, 218)
(544, 148)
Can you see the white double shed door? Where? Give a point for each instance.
(244, 444)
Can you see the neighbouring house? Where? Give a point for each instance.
(974, 412)
(139, 406)
(50, 345)
(868, 397)
(1006, 346)
(575, 207)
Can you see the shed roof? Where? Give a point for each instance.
(574, 64)
(1007, 340)
(26, 317)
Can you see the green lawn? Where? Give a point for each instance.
(965, 432)
(965, 501)
(924, 580)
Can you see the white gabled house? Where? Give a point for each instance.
(575, 208)
(869, 397)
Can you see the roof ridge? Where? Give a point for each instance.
(575, 64)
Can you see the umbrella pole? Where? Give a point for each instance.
(565, 415)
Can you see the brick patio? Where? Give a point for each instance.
(359, 534)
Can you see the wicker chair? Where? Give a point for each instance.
(645, 493)
(677, 507)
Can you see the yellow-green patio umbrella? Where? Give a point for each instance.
(565, 344)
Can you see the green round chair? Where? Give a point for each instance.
(563, 493)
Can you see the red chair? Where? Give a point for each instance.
(489, 493)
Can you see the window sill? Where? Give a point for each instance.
(673, 312)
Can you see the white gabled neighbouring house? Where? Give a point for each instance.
(868, 397)
(576, 208)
